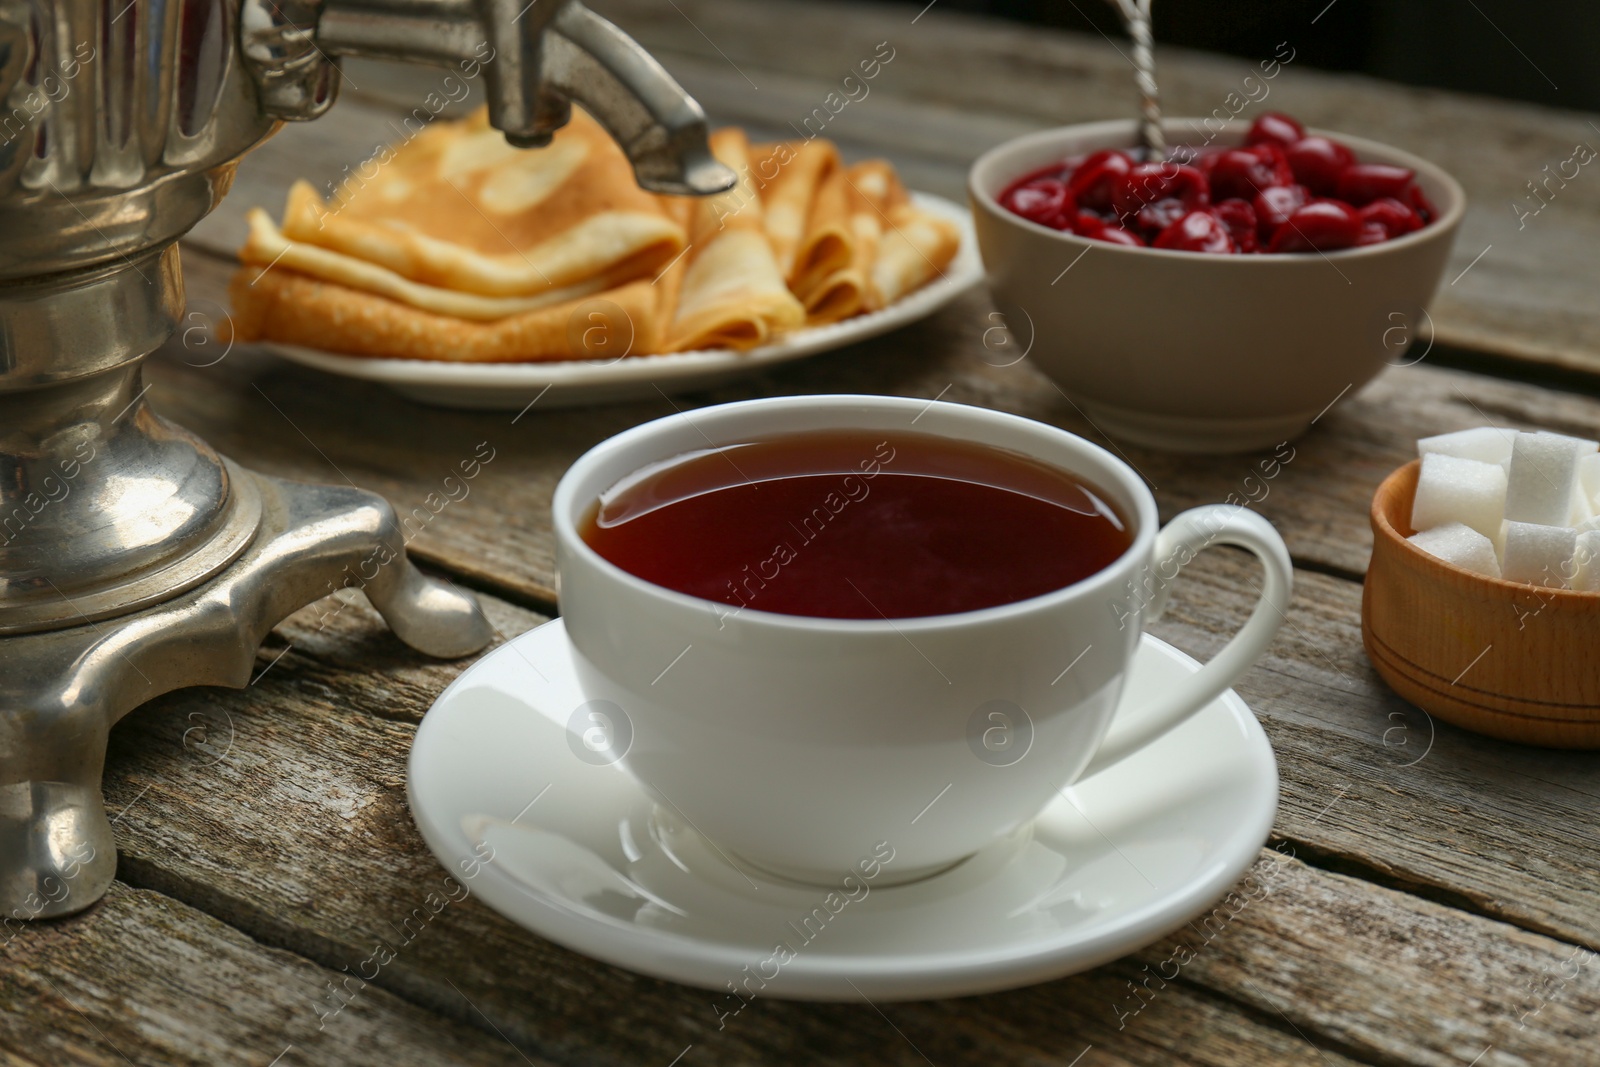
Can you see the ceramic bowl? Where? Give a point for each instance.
(1194, 352)
(1502, 658)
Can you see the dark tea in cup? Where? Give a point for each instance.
(857, 525)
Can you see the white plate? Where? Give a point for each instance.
(511, 386)
(577, 853)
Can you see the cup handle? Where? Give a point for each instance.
(1176, 545)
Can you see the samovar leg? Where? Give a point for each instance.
(61, 690)
(57, 855)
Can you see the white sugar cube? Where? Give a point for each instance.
(1538, 554)
(1450, 489)
(1582, 510)
(1589, 478)
(1460, 544)
(1587, 559)
(1584, 446)
(1544, 473)
(1486, 444)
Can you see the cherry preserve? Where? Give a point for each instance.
(857, 525)
(1282, 191)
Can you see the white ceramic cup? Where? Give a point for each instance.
(805, 745)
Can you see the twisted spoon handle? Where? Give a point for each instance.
(1136, 18)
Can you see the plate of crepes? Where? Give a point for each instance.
(461, 271)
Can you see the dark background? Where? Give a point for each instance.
(1547, 52)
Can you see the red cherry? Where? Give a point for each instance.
(1046, 201)
(1097, 229)
(1274, 128)
(1318, 162)
(1240, 219)
(1092, 180)
(1275, 155)
(1153, 218)
(1320, 226)
(1395, 218)
(1155, 195)
(1198, 231)
(1034, 202)
(1274, 206)
(1362, 183)
(1118, 236)
(1242, 173)
(1372, 233)
(1052, 170)
(1281, 191)
(1086, 225)
(1202, 160)
(1271, 153)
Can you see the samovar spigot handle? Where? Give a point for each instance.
(660, 127)
(537, 56)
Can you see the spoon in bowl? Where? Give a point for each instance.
(1136, 19)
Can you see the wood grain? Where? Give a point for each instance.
(1372, 785)
(282, 808)
(300, 423)
(144, 979)
(1383, 975)
(1318, 500)
(292, 825)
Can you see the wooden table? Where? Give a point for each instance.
(1437, 897)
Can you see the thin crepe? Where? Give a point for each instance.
(266, 246)
(731, 293)
(792, 173)
(829, 243)
(457, 208)
(867, 189)
(276, 304)
(915, 249)
(394, 267)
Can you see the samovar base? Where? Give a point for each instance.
(62, 689)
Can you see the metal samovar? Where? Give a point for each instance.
(133, 558)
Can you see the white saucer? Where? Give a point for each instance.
(581, 856)
(511, 386)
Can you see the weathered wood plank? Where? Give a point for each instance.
(142, 978)
(1318, 500)
(1339, 961)
(292, 824)
(282, 809)
(297, 422)
(1371, 782)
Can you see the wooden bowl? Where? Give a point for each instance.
(1501, 658)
